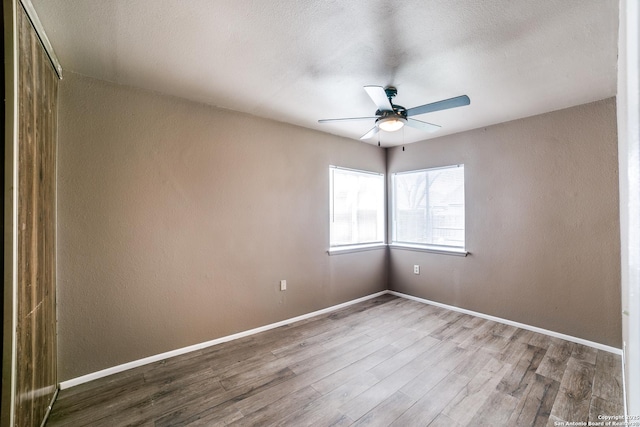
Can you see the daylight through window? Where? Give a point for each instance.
(428, 207)
(357, 207)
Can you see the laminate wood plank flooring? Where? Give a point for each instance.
(387, 361)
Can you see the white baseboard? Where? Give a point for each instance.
(158, 357)
(512, 323)
(624, 380)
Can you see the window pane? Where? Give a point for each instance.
(357, 207)
(429, 207)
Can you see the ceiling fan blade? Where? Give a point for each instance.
(418, 124)
(379, 97)
(346, 119)
(372, 132)
(458, 101)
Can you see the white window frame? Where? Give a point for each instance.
(356, 247)
(433, 248)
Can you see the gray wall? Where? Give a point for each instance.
(542, 223)
(176, 222)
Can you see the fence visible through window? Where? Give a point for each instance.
(428, 207)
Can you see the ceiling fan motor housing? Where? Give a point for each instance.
(391, 92)
(398, 110)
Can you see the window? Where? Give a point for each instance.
(357, 207)
(428, 208)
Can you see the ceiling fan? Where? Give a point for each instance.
(390, 117)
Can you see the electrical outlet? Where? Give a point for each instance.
(416, 269)
(283, 285)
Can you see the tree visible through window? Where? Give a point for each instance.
(428, 207)
(357, 207)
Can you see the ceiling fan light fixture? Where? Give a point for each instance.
(391, 124)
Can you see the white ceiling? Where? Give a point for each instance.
(298, 61)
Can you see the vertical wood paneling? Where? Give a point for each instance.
(36, 338)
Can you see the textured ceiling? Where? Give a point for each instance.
(298, 61)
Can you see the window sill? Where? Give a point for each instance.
(339, 250)
(431, 249)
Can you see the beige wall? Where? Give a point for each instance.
(542, 223)
(177, 221)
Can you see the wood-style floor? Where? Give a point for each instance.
(385, 361)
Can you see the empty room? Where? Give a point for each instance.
(319, 213)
